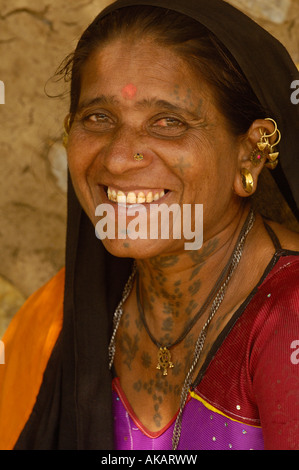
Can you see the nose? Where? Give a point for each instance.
(119, 152)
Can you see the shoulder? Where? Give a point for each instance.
(289, 240)
(283, 276)
(272, 314)
(274, 310)
(278, 293)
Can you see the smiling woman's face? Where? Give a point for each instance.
(142, 98)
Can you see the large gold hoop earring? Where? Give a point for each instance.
(247, 180)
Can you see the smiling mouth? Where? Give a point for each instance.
(135, 196)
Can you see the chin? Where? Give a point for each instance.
(139, 249)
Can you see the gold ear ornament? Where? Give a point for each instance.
(265, 150)
(247, 180)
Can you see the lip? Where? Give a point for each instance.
(127, 189)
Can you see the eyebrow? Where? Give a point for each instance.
(99, 101)
(146, 103)
(154, 102)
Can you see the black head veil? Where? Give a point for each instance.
(73, 408)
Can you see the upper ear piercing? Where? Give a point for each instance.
(265, 149)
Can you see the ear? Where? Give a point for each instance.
(248, 143)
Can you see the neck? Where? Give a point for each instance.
(173, 288)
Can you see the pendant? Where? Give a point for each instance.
(164, 360)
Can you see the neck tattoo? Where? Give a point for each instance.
(216, 295)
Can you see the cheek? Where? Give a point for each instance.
(192, 169)
(79, 168)
(80, 156)
(206, 180)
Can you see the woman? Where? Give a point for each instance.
(198, 350)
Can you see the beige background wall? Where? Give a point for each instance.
(35, 36)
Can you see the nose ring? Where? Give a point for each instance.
(138, 157)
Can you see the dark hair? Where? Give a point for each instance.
(191, 40)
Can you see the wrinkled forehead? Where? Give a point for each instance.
(143, 74)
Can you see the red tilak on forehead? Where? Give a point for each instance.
(129, 91)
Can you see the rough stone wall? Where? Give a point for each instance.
(35, 36)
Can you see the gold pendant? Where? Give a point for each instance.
(164, 360)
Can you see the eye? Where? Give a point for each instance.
(168, 126)
(98, 122)
(168, 122)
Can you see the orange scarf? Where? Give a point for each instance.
(28, 343)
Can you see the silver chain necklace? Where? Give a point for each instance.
(235, 259)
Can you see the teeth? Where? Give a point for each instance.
(149, 197)
(121, 197)
(131, 198)
(113, 196)
(140, 198)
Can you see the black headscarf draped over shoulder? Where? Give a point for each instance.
(73, 408)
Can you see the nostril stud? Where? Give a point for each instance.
(138, 157)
